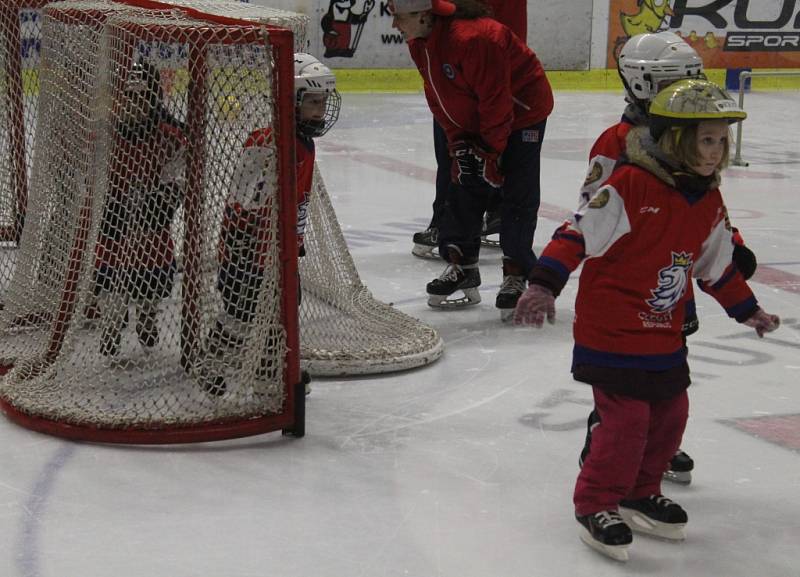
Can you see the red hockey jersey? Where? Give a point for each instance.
(245, 227)
(481, 80)
(641, 241)
(606, 152)
(146, 182)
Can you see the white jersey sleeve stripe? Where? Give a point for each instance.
(717, 252)
(602, 221)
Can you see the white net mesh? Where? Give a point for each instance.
(20, 36)
(149, 292)
(297, 23)
(344, 329)
(142, 118)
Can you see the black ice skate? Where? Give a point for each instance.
(514, 284)
(456, 277)
(607, 533)
(680, 469)
(426, 243)
(111, 338)
(655, 515)
(221, 341)
(211, 368)
(491, 228)
(147, 329)
(215, 385)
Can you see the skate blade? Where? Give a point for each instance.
(471, 297)
(680, 477)
(615, 552)
(641, 524)
(425, 251)
(490, 242)
(507, 315)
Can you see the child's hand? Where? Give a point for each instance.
(762, 322)
(533, 305)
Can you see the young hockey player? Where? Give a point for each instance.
(245, 227)
(135, 258)
(647, 63)
(489, 92)
(657, 222)
(514, 14)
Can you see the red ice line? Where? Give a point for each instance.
(765, 274)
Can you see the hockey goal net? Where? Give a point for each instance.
(94, 343)
(141, 116)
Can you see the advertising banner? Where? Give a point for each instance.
(726, 33)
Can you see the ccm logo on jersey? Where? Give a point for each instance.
(650, 209)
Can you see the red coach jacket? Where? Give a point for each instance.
(481, 80)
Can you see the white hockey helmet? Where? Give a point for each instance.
(311, 77)
(143, 83)
(649, 62)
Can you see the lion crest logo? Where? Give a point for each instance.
(672, 283)
(600, 199)
(595, 174)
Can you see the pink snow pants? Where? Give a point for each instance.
(631, 448)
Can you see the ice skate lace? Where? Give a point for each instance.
(451, 273)
(661, 501)
(512, 284)
(608, 518)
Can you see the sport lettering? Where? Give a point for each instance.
(741, 19)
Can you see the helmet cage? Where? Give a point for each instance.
(316, 128)
(311, 77)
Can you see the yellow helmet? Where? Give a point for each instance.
(689, 102)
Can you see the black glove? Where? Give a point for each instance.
(474, 166)
(745, 260)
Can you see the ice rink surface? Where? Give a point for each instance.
(464, 468)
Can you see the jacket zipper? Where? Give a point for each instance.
(436, 92)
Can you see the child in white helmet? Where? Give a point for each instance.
(245, 230)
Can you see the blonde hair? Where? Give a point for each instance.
(680, 142)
